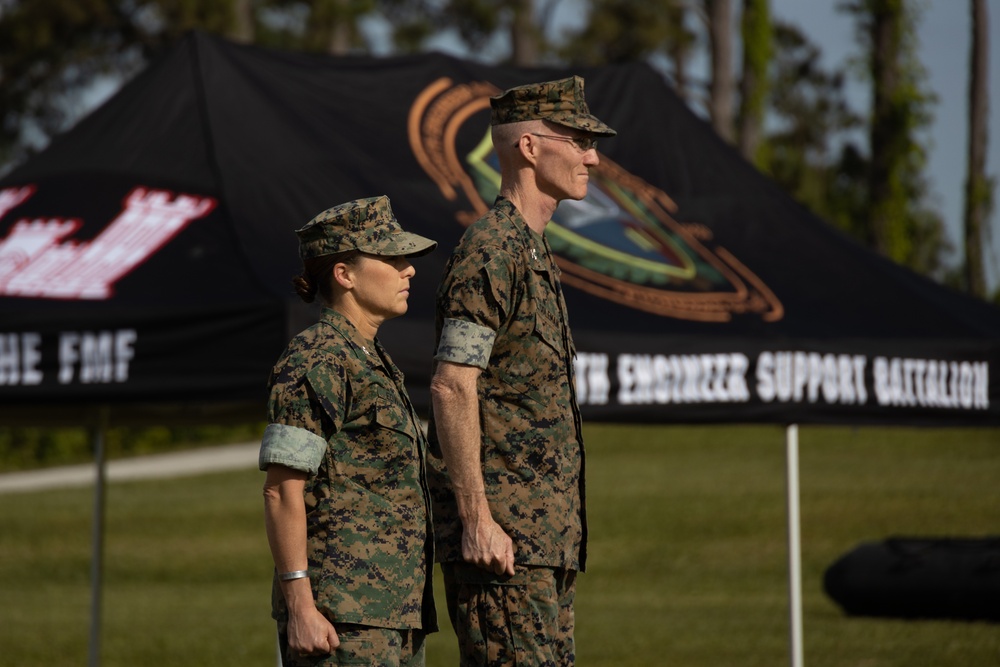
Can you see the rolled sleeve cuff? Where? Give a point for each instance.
(465, 343)
(292, 447)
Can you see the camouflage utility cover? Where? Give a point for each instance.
(502, 279)
(367, 225)
(367, 513)
(560, 102)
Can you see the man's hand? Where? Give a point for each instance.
(487, 546)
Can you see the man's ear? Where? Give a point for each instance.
(528, 146)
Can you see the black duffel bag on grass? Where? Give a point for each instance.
(912, 577)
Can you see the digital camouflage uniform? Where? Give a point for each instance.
(338, 410)
(500, 308)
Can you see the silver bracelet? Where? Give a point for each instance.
(297, 574)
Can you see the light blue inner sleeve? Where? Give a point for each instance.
(465, 343)
(293, 447)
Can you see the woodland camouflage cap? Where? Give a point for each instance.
(367, 225)
(559, 101)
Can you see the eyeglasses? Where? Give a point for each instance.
(583, 143)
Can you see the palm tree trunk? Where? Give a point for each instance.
(977, 187)
(720, 102)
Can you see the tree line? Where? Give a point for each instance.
(766, 91)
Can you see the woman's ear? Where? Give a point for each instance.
(343, 275)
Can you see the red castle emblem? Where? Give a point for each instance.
(39, 259)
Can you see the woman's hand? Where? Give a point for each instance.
(311, 633)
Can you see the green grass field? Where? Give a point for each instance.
(688, 559)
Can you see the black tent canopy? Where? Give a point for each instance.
(146, 255)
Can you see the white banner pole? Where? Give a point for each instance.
(794, 547)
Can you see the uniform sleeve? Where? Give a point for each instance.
(304, 411)
(475, 301)
(466, 343)
(291, 446)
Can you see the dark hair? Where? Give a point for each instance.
(317, 275)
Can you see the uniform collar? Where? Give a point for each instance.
(362, 347)
(535, 245)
